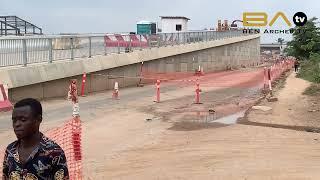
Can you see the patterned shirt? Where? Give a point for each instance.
(46, 162)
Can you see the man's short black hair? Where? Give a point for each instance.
(34, 104)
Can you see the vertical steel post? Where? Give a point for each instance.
(24, 48)
(118, 47)
(50, 51)
(90, 47)
(71, 48)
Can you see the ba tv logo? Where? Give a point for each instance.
(261, 19)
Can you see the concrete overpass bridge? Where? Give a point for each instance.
(41, 67)
(272, 48)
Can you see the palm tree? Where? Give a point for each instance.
(280, 40)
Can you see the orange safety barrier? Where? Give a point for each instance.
(84, 77)
(197, 101)
(115, 94)
(157, 99)
(68, 136)
(5, 104)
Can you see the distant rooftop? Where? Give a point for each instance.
(174, 17)
(144, 22)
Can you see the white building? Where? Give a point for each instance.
(173, 24)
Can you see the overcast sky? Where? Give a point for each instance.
(99, 16)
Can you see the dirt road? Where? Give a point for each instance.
(158, 150)
(135, 138)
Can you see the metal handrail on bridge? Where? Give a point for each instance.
(38, 49)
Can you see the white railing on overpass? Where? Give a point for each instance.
(37, 49)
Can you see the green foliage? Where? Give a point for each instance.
(310, 70)
(305, 46)
(313, 90)
(306, 40)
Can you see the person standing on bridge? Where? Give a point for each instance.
(33, 156)
(296, 66)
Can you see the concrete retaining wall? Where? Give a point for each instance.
(51, 80)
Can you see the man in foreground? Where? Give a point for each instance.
(33, 156)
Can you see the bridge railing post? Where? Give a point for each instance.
(172, 39)
(164, 39)
(206, 35)
(158, 40)
(130, 44)
(183, 38)
(105, 46)
(148, 40)
(192, 37)
(50, 51)
(24, 50)
(90, 47)
(71, 49)
(196, 37)
(118, 47)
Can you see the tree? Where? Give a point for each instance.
(306, 40)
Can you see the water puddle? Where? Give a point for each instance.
(204, 120)
(230, 119)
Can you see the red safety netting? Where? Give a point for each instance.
(68, 136)
(235, 78)
(275, 71)
(220, 79)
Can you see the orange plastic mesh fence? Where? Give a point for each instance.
(68, 136)
(245, 78)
